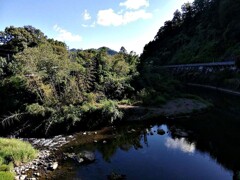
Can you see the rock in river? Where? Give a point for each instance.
(87, 156)
(53, 166)
(161, 131)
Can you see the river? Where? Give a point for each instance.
(203, 146)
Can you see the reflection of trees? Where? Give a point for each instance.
(124, 141)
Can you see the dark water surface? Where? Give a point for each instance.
(204, 146)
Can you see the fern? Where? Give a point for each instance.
(9, 120)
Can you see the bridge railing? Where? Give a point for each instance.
(228, 63)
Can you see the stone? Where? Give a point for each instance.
(87, 156)
(79, 159)
(160, 131)
(37, 174)
(116, 176)
(53, 166)
(22, 177)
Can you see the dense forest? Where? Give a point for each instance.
(204, 31)
(44, 85)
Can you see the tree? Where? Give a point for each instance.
(17, 39)
(123, 50)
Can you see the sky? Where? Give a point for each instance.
(84, 24)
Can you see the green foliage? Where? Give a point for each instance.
(35, 109)
(5, 167)
(127, 102)
(44, 85)
(3, 63)
(156, 85)
(204, 31)
(6, 176)
(151, 97)
(110, 111)
(17, 39)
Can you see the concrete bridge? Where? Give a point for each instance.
(203, 75)
(203, 67)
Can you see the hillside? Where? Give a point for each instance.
(204, 31)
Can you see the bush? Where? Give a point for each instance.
(35, 109)
(152, 98)
(126, 102)
(100, 114)
(110, 111)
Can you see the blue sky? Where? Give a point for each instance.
(92, 23)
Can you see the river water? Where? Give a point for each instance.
(203, 146)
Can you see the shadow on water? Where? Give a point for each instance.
(217, 132)
(204, 146)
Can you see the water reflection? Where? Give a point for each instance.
(139, 152)
(181, 144)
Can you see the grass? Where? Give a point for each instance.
(14, 152)
(6, 176)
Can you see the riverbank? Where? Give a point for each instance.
(173, 108)
(46, 161)
(51, 152)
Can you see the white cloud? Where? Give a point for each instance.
(180, 144)
(64, 35)
(89, 25)
(135, 4)
(109, 17)
(86, 15)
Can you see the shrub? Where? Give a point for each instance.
(110, 111)
(35, 109)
